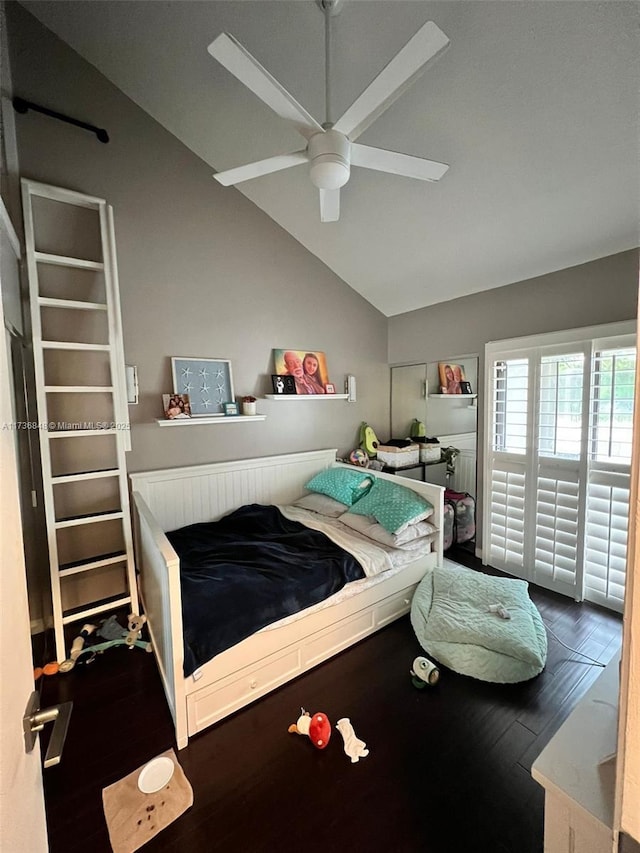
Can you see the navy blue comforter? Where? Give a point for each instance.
(248, 570)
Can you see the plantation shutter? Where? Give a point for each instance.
(607, 509)
(557, 555)
(509, 402)
(557, 460)
(507, 517)
(606, 539)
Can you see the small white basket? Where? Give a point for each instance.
(430, 452)
(398, 457)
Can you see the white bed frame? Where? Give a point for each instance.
(169, 499)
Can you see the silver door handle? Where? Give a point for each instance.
(34, 721)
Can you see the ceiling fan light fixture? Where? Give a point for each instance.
(329, 155)
(329, 171)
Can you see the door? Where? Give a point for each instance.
(22, 814)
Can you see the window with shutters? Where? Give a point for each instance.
(560, 406)
(510, 405)
(559, 438)
(612, 387)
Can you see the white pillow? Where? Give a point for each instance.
(322, 504)
(368, 526)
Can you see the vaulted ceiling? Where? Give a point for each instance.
(534, 107)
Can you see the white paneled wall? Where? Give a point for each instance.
(464, 480)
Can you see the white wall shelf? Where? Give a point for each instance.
(299, 397)
(198, 420)
(454, 396)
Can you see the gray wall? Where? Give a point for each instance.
(202, 271)
(602, 291)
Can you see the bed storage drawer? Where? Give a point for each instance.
(394, 606)
(212, 703)
(343, 634)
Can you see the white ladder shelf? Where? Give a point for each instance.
(72, 561)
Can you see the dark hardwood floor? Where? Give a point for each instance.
(448, 769)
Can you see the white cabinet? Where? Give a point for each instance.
(578, 779)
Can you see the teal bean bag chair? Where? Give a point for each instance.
(455, 615)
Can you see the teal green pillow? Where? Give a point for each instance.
(340, 484)
(393, 506)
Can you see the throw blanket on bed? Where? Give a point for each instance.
(250, 569)
(451, 617)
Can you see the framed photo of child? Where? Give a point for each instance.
(451, 377)
(176, 406)
(307, 368)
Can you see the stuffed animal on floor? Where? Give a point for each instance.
(77, 647)
(317, 727)
(353, 746)
(134, 625)
(113, 633)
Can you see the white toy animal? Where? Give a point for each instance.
(355, 748)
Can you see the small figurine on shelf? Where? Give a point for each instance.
(249, 405)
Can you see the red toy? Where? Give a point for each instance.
(317, 727)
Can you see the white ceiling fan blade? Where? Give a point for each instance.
(396, 164)
(422, 49)
(248, 70)
(260, 167)
(329, 205)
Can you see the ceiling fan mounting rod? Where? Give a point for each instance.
(328, 122)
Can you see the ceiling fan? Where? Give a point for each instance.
(331, 147)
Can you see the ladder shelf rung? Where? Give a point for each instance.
(85, 475)
(63, 261)
(89, 518)
(77, 389)
(72, 345)
(90, 563)
(51, 302)
(77, 613)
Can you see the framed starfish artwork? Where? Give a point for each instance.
(207, 381)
